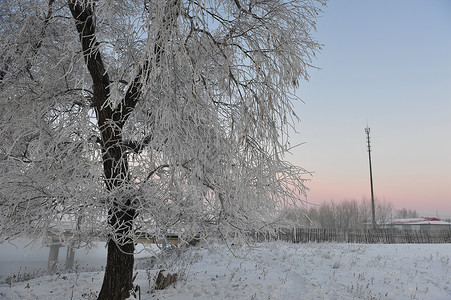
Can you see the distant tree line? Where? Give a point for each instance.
(345, 215)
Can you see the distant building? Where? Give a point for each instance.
(423, 224)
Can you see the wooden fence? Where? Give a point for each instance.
(378, 236)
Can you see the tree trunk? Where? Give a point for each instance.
(118, 278)
(117, 282)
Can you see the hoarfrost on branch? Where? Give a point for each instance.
(121, 118)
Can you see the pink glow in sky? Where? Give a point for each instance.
(387, 63)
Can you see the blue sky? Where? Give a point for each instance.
(387, 63)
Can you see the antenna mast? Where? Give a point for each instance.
(373, 209)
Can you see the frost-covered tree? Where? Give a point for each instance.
(131, 117)
(404, 213)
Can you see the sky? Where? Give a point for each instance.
(386, 64)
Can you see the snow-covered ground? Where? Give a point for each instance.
(275, 270)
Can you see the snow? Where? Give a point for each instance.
(275, 270)
(419, 221)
